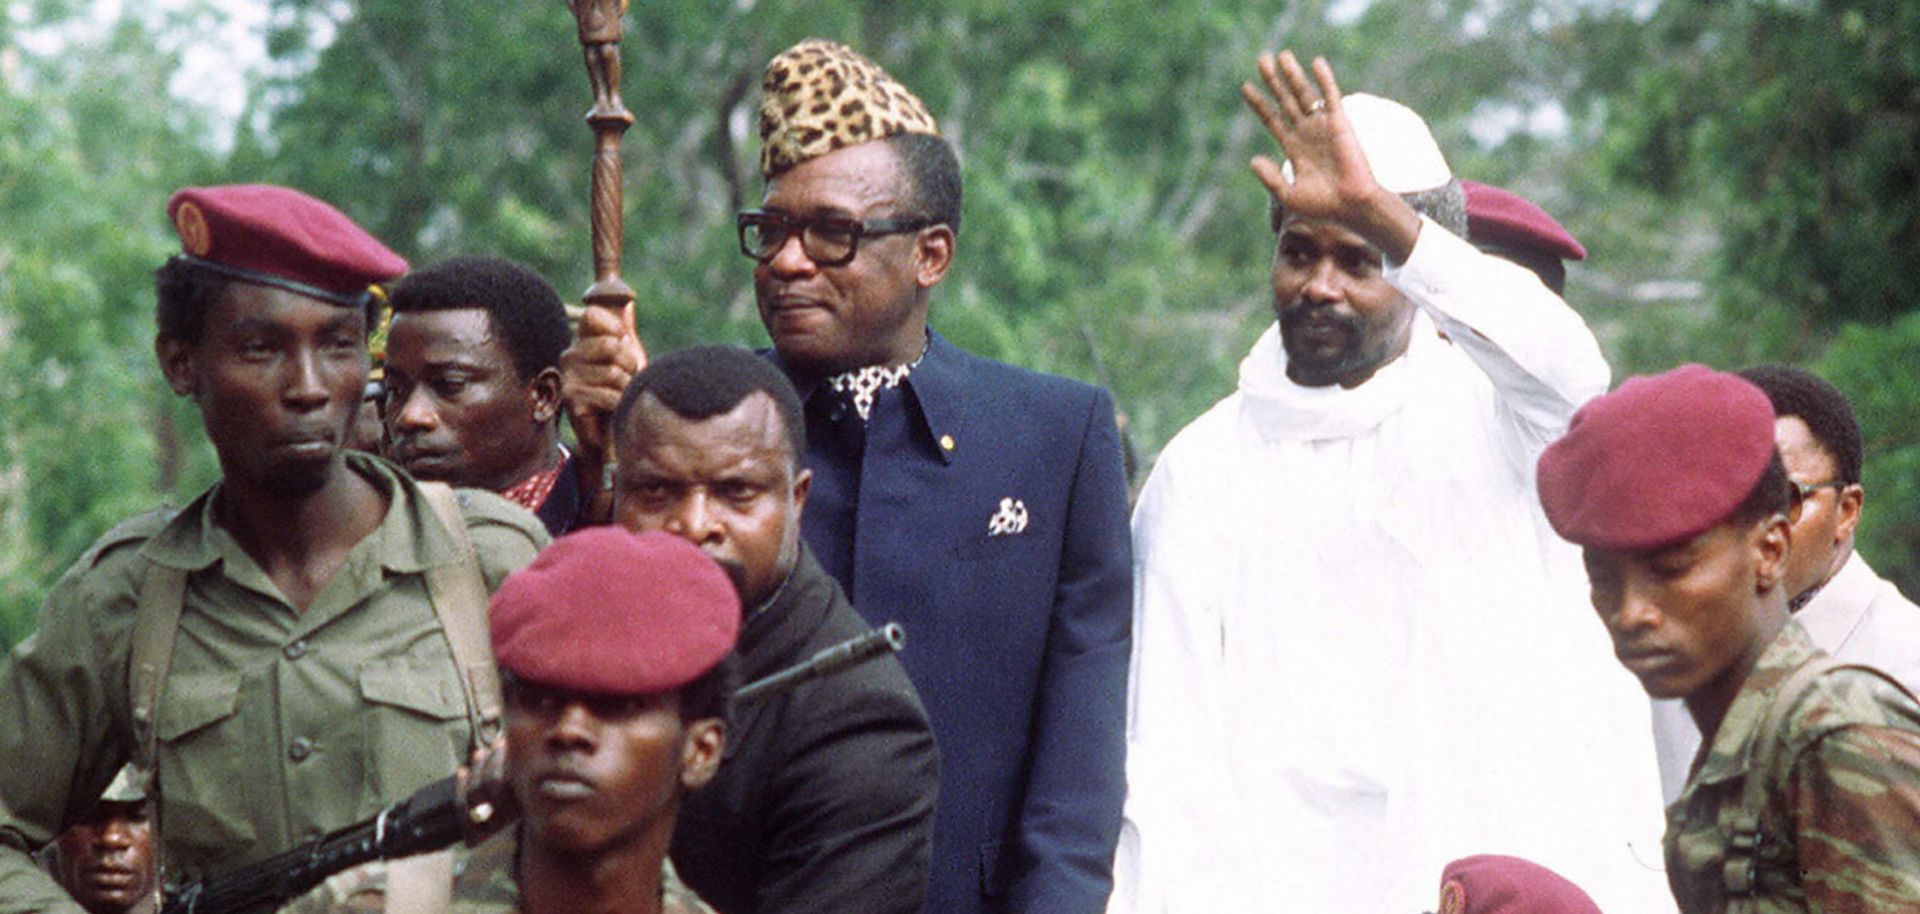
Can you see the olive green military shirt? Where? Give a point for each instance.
(1841, 826)
(276, 725)
(482, 884)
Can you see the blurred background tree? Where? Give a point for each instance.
(86, 158)
(1793, 128)
(1744, 173)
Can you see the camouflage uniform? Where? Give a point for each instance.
(1840, 829)
(482, 884)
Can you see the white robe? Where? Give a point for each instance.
(1359, 651)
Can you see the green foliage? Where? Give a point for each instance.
(1743, 172)
(1105, 150)
(1874, 366)
(1805, 116)
(1783, 140)
(84, 167)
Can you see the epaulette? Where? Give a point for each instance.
(481, 507)
(1852, 694)
(136, 529)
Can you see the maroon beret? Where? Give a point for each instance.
(280, 237)
(1492, 884)
(608, 610)
(1661, 459)
(1501, 217)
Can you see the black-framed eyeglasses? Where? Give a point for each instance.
(1805, 490)
(829, 241)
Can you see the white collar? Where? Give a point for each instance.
(1285, 411)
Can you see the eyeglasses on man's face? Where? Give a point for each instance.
(829, 241)
(1806, 490)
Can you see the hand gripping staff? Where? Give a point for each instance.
(600, 30)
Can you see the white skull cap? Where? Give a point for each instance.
(1399, 147)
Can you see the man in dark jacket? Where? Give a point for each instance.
(982, 505)
(824, 801)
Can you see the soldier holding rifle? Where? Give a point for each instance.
(614, 648)
(286, 654)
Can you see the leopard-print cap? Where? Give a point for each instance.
(819, 96)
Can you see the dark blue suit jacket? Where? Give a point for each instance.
(1017, 643)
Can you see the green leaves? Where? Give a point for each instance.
(1744, 173)
(1807, 117)
(85, 166)
(1874, 366)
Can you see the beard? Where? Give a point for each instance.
(1322, 344)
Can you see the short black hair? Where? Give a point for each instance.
(1446, 205)
(522, 306)
(706, 381)
(1825, 410)
(185, 293)
(932, 174)
(1773, 494)
(711, 695)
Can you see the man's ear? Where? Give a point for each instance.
(544, 391)
(933, 255)
(705, 742)
(802, 484)
(1848, 501)
(176, 362)
(1772, 540)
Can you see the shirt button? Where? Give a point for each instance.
(296, 650)
(301, 748)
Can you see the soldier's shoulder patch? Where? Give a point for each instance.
(1852, 695)
(129, 532)
(483, 508)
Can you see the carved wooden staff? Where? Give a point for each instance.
(599, 22)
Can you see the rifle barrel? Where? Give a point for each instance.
(434, 817)
(885, 639)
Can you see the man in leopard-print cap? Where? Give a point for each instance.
(819, 97)
(981, 505)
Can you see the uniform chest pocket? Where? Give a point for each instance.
(417, 729)
(204, 752)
